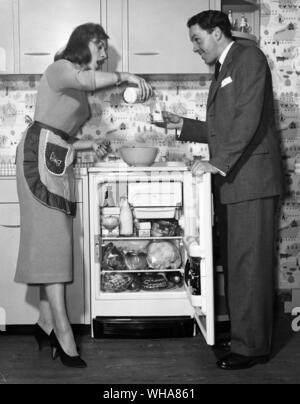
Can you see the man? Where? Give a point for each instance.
(245, 158)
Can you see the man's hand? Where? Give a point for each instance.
(171, 121)
(202, 167)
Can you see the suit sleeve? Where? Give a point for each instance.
(252, 72)
(193, 131)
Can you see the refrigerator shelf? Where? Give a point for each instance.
(149, 270)
(163, 294)
(140, 238)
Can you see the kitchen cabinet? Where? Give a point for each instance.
(7, 42)
(112, 13)
(20, 302)
(158, 38)
(78, 292)
(152, 36)
(45, 26)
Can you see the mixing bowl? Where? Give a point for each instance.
(138, 156)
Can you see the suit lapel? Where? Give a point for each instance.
(215, 85)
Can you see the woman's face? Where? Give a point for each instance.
(98, 54)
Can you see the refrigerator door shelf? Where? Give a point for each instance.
(197, 301)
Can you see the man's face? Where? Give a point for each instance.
(204, 43)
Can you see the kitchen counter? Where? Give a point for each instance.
(123, 167)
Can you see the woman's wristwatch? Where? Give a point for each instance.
(119, 78)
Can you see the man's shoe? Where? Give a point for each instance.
(235, 361)
(224, 345)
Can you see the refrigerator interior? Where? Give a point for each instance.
(142, 280)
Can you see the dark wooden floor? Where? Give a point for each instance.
(182, 360)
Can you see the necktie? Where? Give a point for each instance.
(217, 69)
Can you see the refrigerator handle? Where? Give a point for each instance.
(212, 210)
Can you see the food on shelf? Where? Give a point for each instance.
(136, 261)
(116, 282)
(164, 228)
(163, 255)
(175, 277)
(126, 218)
(134, 246)
(110, 223)
(113, 258)
(110, 220)
(154, 282)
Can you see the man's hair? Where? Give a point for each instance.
(209, 20)
(77, 49)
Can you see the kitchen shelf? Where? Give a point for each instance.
(243, 35)
(240, 3)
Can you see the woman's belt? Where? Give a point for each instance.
(58, 132)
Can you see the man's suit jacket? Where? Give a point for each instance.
(240, 128)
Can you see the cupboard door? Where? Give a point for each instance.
(112, 21)
(159, 38)
(75, 295)
(6, 37)
(19, 302)
(45, 27)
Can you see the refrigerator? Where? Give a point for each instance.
(159, 280)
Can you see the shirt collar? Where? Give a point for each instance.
(225, 53)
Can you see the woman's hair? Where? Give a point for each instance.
(77, 49)
(209, 20)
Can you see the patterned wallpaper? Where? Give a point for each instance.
(110, 118)
(123, 123)
(280, 40)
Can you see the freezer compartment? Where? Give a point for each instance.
(143, 327)
(155, 194)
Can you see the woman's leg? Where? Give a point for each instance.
(56, 297)
(45, 320)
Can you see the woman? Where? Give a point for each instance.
(45, 179)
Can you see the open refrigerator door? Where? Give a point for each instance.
(199, 270)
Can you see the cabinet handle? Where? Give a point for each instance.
(146, 53)
(10, 226)
(37, 54)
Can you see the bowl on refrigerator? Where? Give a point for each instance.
(138, 156)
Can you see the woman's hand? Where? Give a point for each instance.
(101, 147)
(171, 121)
(145, 88)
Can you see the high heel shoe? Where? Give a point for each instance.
(42, 338)
(57, 351)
